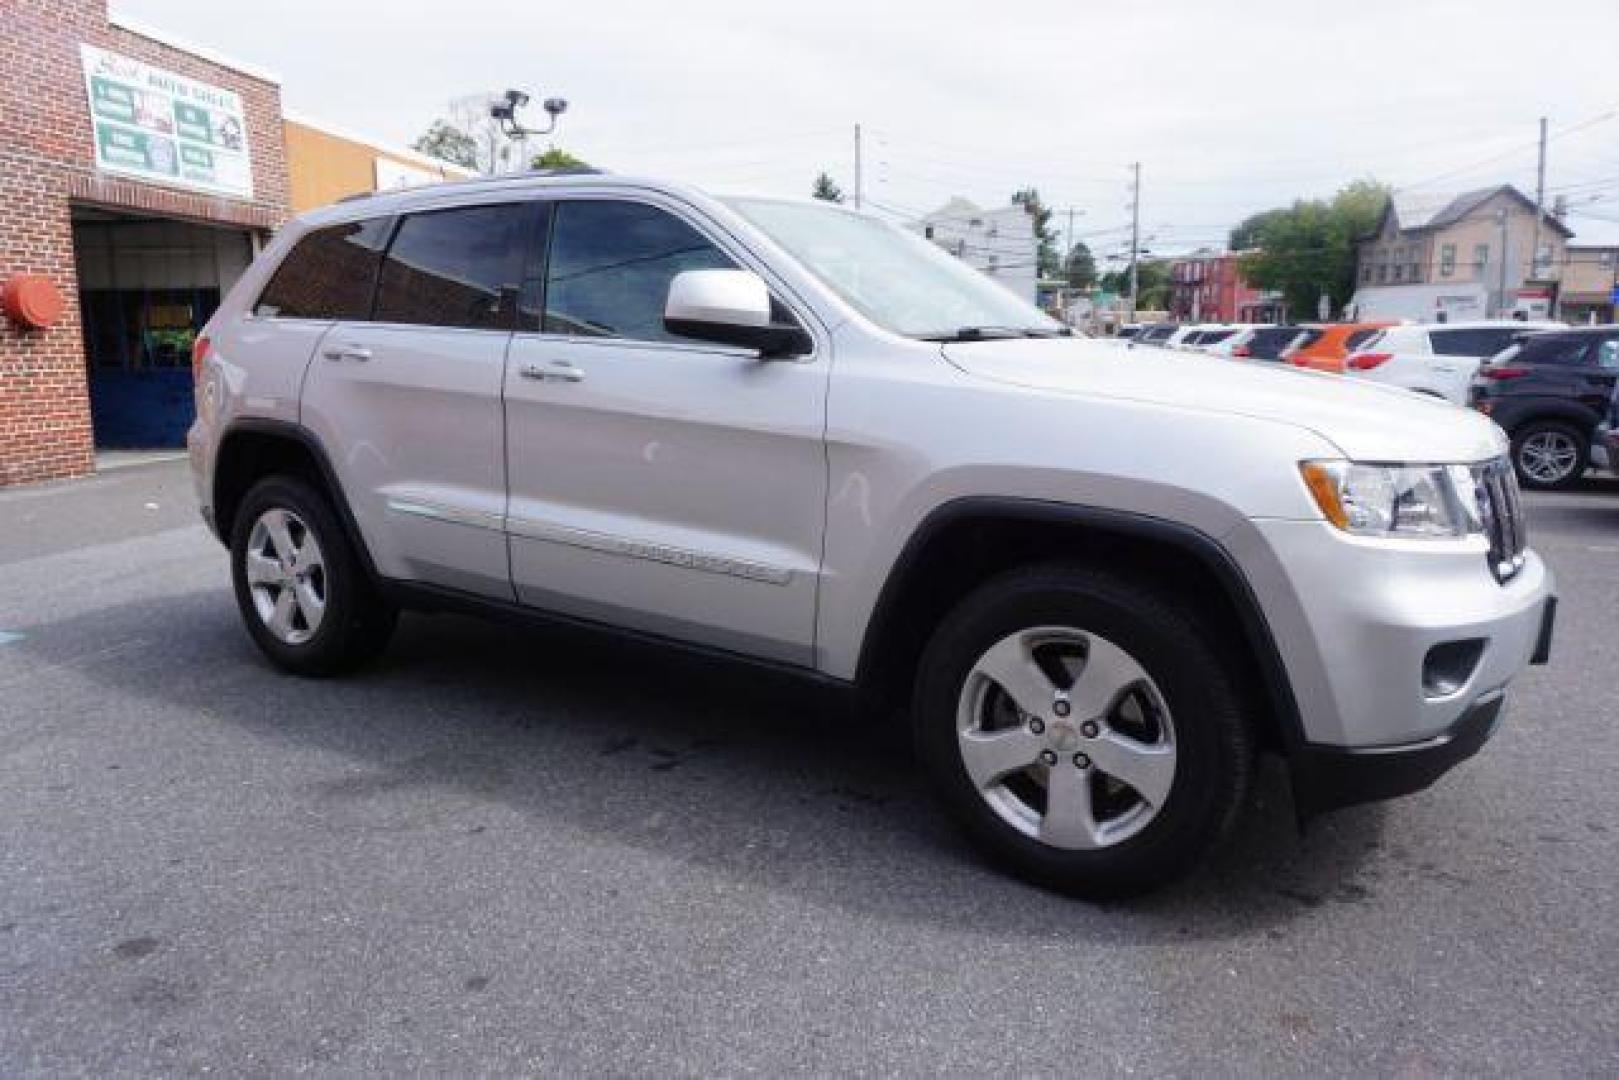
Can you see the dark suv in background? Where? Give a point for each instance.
(1549, 391)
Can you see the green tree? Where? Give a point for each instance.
(445, 141)
(1152, 283)
(1046, 256)
(1308, 249)
(557, 158)
(827, 188)
(1080, 267)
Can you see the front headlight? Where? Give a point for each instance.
(1422, 502)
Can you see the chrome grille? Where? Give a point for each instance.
(1501, 514)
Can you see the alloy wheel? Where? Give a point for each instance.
(1066, 737)
(1548, 457)
(286, 574)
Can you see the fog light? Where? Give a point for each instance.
(1449, 665)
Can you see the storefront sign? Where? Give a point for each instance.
(154, 125)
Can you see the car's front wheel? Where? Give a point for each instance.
(299, 584)
(1549, 455)
(1083, 730)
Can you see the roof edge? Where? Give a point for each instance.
(201, 52)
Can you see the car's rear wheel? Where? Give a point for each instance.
(1549, 455)
(299, 584)
(1083, 730)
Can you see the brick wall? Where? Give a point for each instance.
(46, 164)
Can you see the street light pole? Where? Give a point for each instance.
(1135, 234)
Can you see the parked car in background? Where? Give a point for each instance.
(1208, 339)
(1437, 359)
(1337, 341)
(1265, 343)
(1128, 331)
(1156, 334)
(1549, 393)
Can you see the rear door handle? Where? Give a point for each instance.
(555, 371)
(347, 352)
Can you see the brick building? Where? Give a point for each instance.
(1208, 286)
(137, 177)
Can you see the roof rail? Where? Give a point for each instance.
(524, 174)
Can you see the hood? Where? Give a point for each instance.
(1366, 421)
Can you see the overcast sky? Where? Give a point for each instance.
(1230, 108)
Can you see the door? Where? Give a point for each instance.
(408, 403)
(657, 482)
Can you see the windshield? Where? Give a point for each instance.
(898, 280)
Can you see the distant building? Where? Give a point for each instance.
(1459, 256)
(325, 163)
(999, 242)
(1208, 286)
(1589, 284)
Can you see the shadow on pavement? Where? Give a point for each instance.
(735, 771)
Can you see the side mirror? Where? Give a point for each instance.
(730, 307)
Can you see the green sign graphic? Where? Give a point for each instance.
(153, 124)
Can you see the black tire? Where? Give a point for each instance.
(1521, 439)
(1212, 734)
(356, 623)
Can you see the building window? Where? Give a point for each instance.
(1447, 260)
(928, 232)
(1605, 258)
(1481, 259)
(1366, 275)
(994, 263)
(1414, 272)
(1399, 271)
(1382, 273)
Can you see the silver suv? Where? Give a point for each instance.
(1098, 580)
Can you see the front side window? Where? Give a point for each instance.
(611, 264)
(329, 274)
(457, 268)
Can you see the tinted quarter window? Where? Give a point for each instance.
(1360, 338)
(458, 268)
(1479, 342)
(611, 264)
(329, 274)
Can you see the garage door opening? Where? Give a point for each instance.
(146, 287)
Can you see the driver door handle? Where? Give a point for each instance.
(346, 352)
(555, 371)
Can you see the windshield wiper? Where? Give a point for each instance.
(992, 333)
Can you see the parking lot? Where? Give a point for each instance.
(505, 850)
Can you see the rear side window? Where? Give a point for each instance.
(1359, 339)
(1476, 342)
(611, 264)
(457, 268)
(329, 274)
(1560, 350)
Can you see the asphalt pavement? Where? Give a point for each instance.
(502, 851)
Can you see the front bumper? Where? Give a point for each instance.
(1356, 623)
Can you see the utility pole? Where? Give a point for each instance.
(1540, 202)
(1135, 234)
(857, 166)
(1501, 294)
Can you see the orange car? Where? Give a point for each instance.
(1326, 351)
